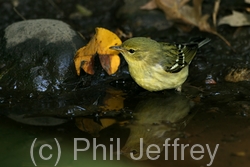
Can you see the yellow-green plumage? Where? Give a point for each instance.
(157, 66)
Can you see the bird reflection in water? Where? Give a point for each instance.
(156, 119)
(157, 116)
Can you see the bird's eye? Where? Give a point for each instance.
(134, 152)
(131, 51)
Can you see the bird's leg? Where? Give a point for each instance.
(178, 89)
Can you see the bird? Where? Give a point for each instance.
(157, 66)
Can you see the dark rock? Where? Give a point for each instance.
(36, 65)
(38, 55)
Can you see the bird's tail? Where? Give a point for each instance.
(203, 42)
(192, 47)
(199, 40)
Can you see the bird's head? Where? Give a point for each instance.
(137, 48)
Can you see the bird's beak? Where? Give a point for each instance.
(118, 48)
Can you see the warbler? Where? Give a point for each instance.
(156, 66)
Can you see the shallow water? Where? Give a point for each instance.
(205, 122)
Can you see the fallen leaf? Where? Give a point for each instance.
(100, 43)
(237, 19)
(150, 5)
(84, 60)
(238, 74)
(180, 12)
(216, 9)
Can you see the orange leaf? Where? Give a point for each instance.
(110, 63)
(90, 126)
(114, 100)
(100, 43)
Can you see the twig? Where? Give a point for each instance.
(19, 14)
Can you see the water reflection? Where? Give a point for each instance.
(49, 110)
(156, 119)
(90, 126)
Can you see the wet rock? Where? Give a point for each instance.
(37, 55)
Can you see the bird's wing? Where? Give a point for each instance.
(177, 56)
